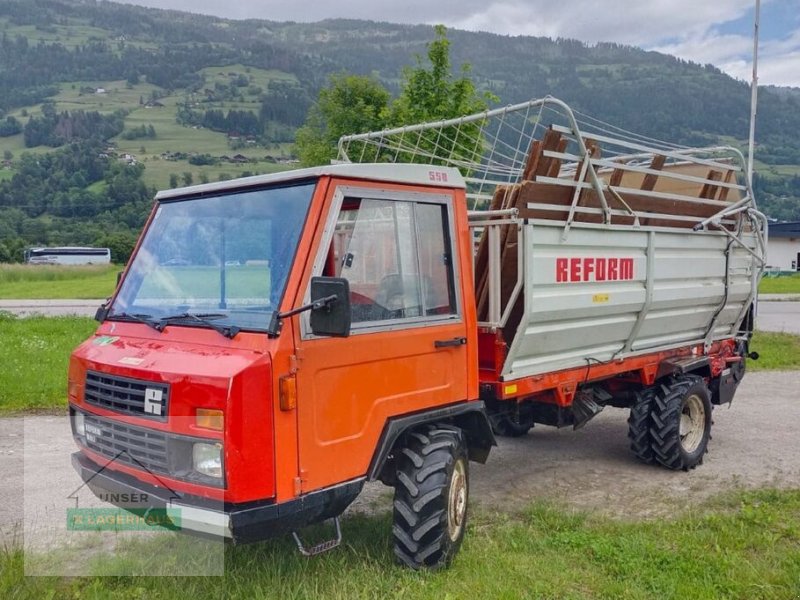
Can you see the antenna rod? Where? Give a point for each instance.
(753, 96)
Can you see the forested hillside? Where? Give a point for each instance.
(101, 103)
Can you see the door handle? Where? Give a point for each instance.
(458, 341)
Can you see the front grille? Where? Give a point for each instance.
(130, 396)
(135, 446)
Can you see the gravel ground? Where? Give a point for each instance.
(755, 443)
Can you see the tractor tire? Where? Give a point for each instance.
(639, 426)
(431, 496)
(512, 423)
(680, 422)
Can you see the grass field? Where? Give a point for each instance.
(743, 545)
(780, 285)
(170, 136)
(35, 353)
(777, 351)
(42, 282)
(54, 282)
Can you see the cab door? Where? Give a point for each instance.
(407, 349)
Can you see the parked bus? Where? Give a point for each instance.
(68, 255)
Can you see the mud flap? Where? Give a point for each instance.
(724, 387)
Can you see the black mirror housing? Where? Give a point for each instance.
(333, 318)
(101, 313)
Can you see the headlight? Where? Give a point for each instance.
(207, 459)
(78, 424)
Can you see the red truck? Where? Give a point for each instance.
(278, 341)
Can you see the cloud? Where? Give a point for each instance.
(778, 60)
(691, 29)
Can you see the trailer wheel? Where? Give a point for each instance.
(430, 498)
(512, 423)
(681, 422)
(639, 426)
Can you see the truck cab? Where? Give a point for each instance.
(210, 385)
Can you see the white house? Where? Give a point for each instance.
(783, 247)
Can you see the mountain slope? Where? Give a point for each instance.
(185, 98)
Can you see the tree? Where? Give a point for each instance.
(350, 104)
(121, 245)
(356, 104)
(173, 180)
(432, 93)
(187, 178)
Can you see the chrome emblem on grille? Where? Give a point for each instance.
(152, 401)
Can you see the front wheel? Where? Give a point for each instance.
(680, 422)
(431, 496)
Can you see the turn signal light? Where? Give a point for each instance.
(209, 419)
(288, 385)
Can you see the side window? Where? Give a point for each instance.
(397, 258)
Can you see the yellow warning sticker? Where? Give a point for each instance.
(600, 298)
(510, 389)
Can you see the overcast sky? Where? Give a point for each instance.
(705, 31)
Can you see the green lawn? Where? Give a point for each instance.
(744, 545)
(34, 355)
(780, 285)
(35, 352)
(54, 282)
(777, 351)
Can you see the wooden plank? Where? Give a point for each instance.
(545, 193)
(534, 156)
(594, 151)
(650, 180)
(709, 190)
(482, 254)
(555, 163)
(550, 142)
(723, 192)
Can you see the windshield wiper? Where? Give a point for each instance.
(229, 331)
(139, 318)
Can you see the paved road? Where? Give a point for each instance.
(754, 444)
(51, 308)
(779, 316)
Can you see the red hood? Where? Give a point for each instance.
(204, 370)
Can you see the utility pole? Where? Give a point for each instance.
(753, 96)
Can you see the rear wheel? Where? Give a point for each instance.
(680, 425)
(639, 426)
(431, 496)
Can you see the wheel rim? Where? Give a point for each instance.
(693, 423)
(457, 501)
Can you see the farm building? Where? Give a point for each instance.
(783, 249)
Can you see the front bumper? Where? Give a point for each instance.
(238, 523)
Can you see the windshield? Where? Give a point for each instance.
(229, 255)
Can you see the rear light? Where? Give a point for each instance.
(209, 419)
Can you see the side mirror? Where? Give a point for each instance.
(330, 318)
(101, 313)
